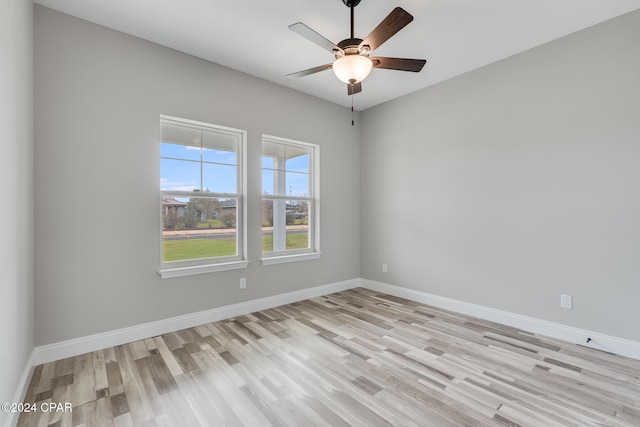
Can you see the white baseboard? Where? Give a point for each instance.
(74, 347)
(21, 391)
(570, 334)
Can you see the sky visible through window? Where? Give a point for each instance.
(296, 176)
(180, 171)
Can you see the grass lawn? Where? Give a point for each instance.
(294, 241)
(178, 250)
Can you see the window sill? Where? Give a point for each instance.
(170, 273)
(290, 258)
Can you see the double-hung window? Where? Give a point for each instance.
(290, 200)
(202, 183)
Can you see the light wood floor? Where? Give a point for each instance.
(352, 358)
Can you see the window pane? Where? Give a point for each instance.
(297, 238)
(297, 220)
(285, 225)
(297, 184)
(219, 178)
(198, 227)
(182, 136)
(219, 156)
(297, 212)
(180, 151)
(179, 175)
(267, 182)
(299, 163)
(273, 150)
(220, 139)
(268, 162)
(267, 226)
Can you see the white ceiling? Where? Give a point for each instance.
(454, 36)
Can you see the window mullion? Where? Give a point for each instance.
(201, 159)
(276, 197)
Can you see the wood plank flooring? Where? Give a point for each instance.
(356, 358)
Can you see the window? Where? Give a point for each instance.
(202, 185)
(290, 205)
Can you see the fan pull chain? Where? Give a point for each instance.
(352, 122)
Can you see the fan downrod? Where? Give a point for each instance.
(350, 3)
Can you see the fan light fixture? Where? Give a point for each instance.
(352, 63)
(352, 69)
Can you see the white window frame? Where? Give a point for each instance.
(172, 269)
(313, 252)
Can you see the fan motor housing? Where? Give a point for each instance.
(349, 43)
(352, 47)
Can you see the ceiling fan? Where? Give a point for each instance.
(352, 64)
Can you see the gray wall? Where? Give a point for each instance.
(503, 187)
(16, 176)
(514, 183)
(98, 95)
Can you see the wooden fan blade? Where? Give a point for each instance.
(401, 64)
(354, 88)
(310, 71)
(394, 22)
(314, 37)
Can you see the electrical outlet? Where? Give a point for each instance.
(243, 282)
(384, 268)
(566, 301)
